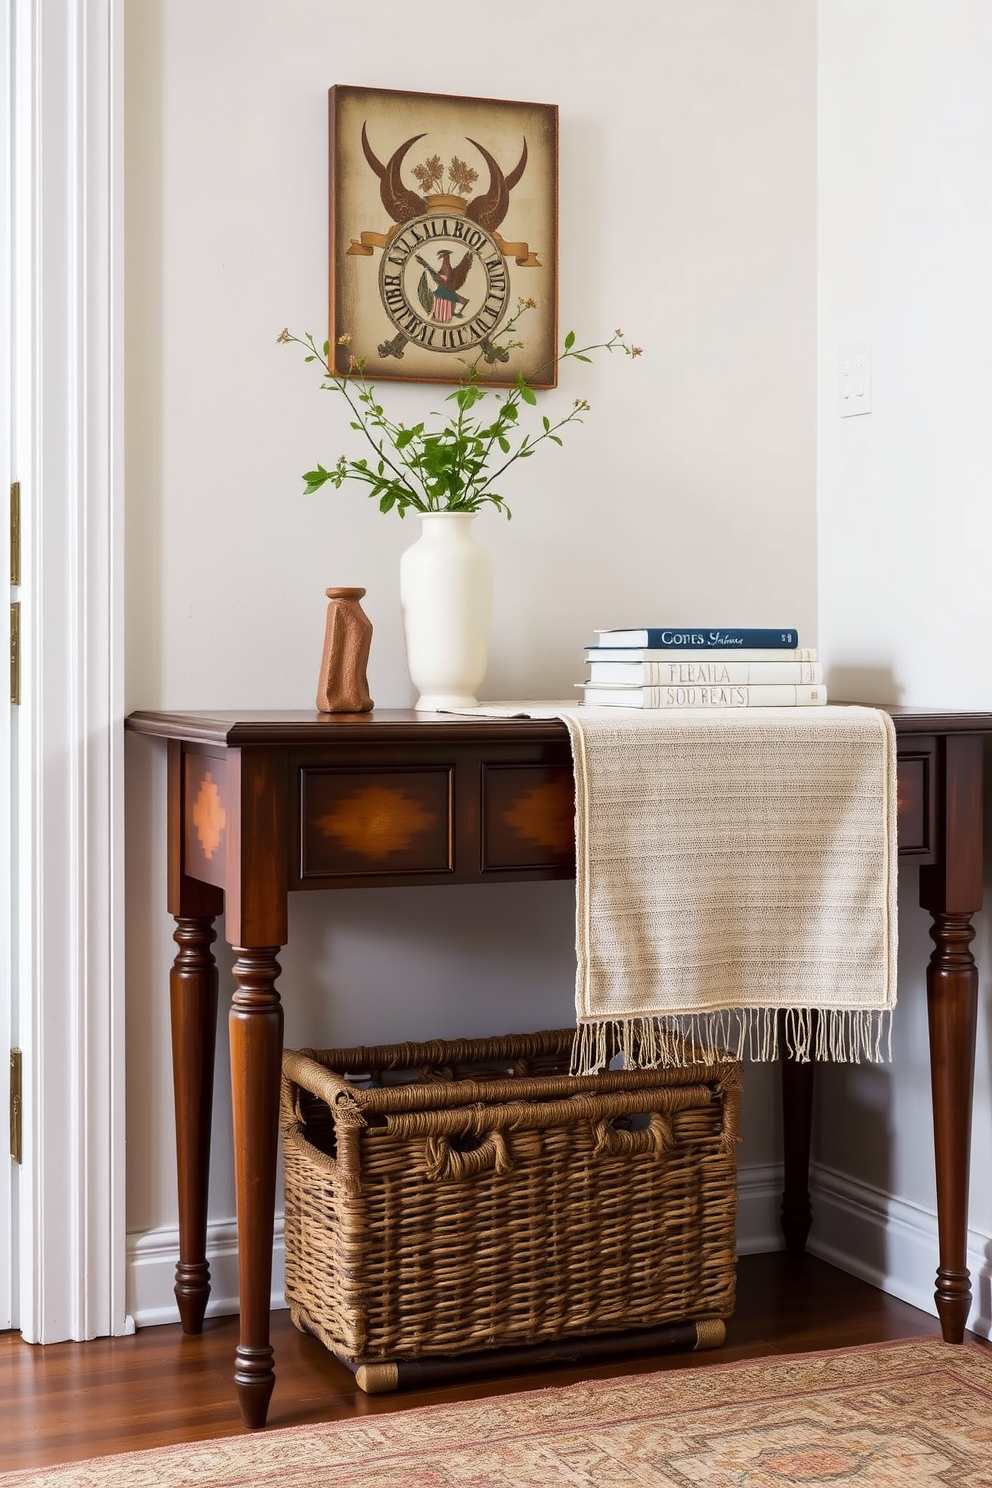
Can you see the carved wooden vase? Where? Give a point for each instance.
(446, 594)
(343, 686)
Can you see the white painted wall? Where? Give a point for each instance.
(687, 216)
(905, 521)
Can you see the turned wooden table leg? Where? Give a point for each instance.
(256, 1026)
(193, 994)
(951, 889)
(797, 1127)
(193, 989)
(952, 1003)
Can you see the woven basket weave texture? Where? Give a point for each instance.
(455, 1196)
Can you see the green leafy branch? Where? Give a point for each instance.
(453, 467)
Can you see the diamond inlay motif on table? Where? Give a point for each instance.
(209, 816)
(376, 822)
(546, 816)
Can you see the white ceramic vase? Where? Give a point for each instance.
(446, 593)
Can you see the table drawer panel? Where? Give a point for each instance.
(528, 816)
(916, 803)
(356, 821)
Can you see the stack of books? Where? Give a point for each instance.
(688, 668)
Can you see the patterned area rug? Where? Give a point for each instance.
(901, 1415)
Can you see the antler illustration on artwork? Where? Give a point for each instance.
(490, 209)
(399, 201)
(402, 203)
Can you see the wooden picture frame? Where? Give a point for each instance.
(443, 217)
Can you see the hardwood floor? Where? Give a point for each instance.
(67, 1401)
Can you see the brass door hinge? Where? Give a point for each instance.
(15, 1104)
(15, 532)
(15, 652)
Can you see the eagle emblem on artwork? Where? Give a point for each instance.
(443, 301)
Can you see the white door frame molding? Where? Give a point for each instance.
(68, 265)
(8, 1170)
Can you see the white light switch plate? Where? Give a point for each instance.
(854, 378)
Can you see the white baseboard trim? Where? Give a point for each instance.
(891, 1243)
(151, 1272)
(759, 1199)
(152, 1254)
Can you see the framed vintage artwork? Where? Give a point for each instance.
(443, 218)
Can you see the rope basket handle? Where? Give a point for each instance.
(442, 1161)
(656, 1138)
(295, 1141)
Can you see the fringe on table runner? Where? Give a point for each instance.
(840, 1035)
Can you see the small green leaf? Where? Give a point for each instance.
(547, 424)
(528, 394)
(504, 444)
(569, 340)
(315, 479)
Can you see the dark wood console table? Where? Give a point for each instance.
(264, 804)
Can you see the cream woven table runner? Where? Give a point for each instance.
(730, 865)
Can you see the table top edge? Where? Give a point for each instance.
(235, 727)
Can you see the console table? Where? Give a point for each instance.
(265, 804)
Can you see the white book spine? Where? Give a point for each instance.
(760, 696)
(702, 673)
(647, 653)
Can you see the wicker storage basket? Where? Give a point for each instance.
(452, 1197)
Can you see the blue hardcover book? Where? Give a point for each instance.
(661, 638)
